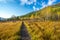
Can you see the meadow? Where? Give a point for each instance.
(47, 30)
(9, 30)
(37, 30)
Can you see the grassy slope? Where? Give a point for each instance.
(47, 12)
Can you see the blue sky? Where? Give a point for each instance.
(22, 7)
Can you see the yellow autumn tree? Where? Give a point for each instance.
(32, 16)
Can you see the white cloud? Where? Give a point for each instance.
(43, 5)
(34, 0)
(28, 2)
(5, 1)
(23, 1)
(35, 9)
(50, 2)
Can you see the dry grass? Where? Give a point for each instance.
(43, 30)
(37, 30)
(9, 30)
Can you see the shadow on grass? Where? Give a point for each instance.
(24, 33)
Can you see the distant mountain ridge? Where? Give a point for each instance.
(1, 19)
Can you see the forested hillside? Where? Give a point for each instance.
(47, 13)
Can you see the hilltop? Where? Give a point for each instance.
(47, 13)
